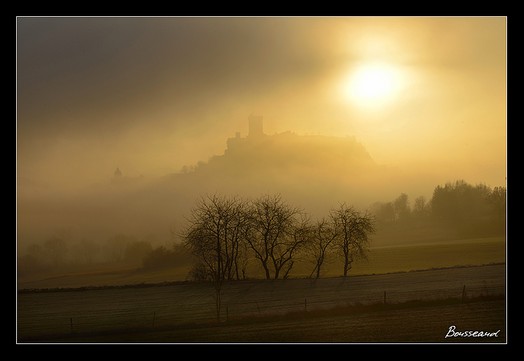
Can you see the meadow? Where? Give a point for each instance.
(382, 259)
(51, 316)
(257, 310)
(425, 322)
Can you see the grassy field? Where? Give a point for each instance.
(410, 257)
(109, 315)
(185, 311)
(385, 259)
(426, 322)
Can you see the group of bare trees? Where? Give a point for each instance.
(345, 233)
(224, 234)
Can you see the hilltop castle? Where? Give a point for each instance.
(255, 132)
(255, 126)
(259, 152)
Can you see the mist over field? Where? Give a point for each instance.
(314, 172)
(261, 179)
(125, 124)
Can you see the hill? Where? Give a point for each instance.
(312, 171)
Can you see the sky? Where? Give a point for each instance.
(425, 95)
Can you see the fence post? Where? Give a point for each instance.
(154, 317)
(227, 313)
(385, 297)
(71, 323)
(463, 293)
(258, 308)
(305, 304)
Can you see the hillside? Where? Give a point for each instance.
(312, 171)
(303, 168)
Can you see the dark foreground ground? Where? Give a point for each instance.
(425, 322)
(420, 307)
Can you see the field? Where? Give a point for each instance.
(261, 311)
(458, 283)
(427, 323)
(384, 259)
(410, 257)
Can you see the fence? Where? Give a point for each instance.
(61, 313)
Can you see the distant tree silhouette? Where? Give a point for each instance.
(55, 249)
(158, 258)
(164, 257)
(136, 251)
(420, 207)
(352, 234)
(401, 207)
(86, 251)
(384, 212)
(497, 202)
(471, 210)
(115, 247)
(33, 260)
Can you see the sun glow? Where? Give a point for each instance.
(372, 85)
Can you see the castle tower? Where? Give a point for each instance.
(255, 126)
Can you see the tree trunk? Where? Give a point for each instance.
(266, 269)
(346, 267)
(235, 261)
(313, 271)
(347, 261)
(288, 269)
(320, 261)
(277, 272)
(218, 302)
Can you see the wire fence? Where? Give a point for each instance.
(276, 307)
(46, 315)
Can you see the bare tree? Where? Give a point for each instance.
(276, 233)
(323, 236)
(301, 237)
(352, 234)
(214, 235)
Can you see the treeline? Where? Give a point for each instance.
(455, 210)
(60, 252)
(231, 238)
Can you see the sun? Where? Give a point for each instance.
(372, 85)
